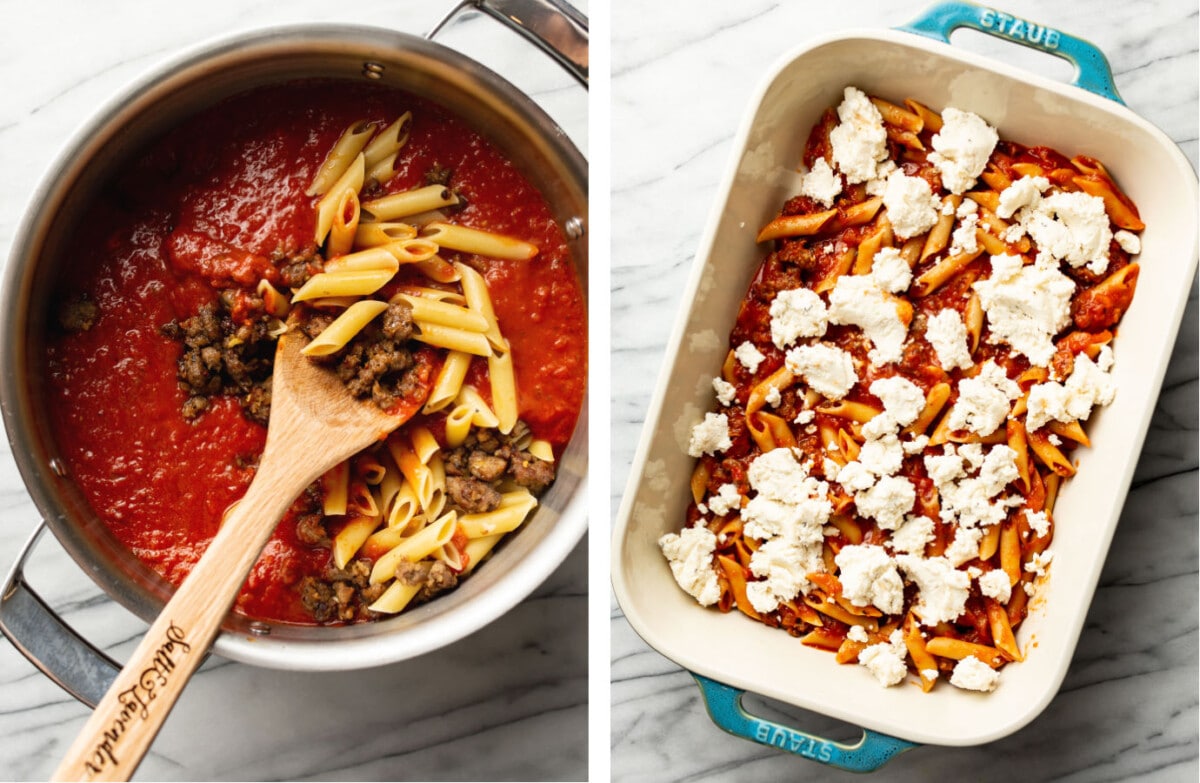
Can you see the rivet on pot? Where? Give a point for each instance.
(58, 467)
(574, 227)
(372, 70)
(259, 628)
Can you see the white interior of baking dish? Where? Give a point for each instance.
(1026, 108)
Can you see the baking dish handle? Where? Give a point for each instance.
(556, 28)
(1092, 71)
(39, 634)
(725, 708)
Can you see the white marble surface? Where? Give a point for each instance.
(506, 703)
(682, 75)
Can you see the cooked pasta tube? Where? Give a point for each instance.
(388, 141)
(344, 226)
(348, 540)
(507, 517)
(406, 506)
(350, 180)
(345, 151)
(415, 547)
(335, 489)
(541, 449)
(796, 225)
(375, 234)
(435, 312)
(395, 598)
(449, 381)
(439, 269)
(373, 259)
(479, 299)
(335, 336)
(360, 500)
(409, 203)
(473, 240)
(504, 390)
(350, 283)
(454, 339)
(479, 548)
(274, 302)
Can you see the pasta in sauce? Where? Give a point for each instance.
(907, 383)
(319, 207)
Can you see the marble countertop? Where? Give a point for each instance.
(681, 78)
(509, 702)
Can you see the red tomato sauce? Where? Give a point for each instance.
(219, 202)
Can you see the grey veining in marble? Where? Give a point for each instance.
(509, 702)
(682, 75)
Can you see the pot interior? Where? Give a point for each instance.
(495, 109)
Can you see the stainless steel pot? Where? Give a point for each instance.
(529, 138)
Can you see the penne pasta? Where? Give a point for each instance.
(473, 240)
(343, 329)
(408, 203)
(345, 151)
(349, 283)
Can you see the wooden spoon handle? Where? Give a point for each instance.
(116, 737)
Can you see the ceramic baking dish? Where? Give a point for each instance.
(730, 654)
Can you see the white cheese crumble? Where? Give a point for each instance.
(1039, 522)
(773, 396)
(781, 565)
(788, 513)
(963, 239)
(869, 577)
(885, 661)
(798, 312)
(882, 455)
(973, 674)
(805, 416)
(821, 183)
(825, 368)
(913, 535)
(726, 500)
(891, 271)
(911, 206)
(1087, 387)
(1071, 227)
(857, 633)
(1038, 562)
(1129, 242)
(995, 584)
(903, 402)
(726, 391)
(984, 400)
(690, 556)
(877, 184)
(961, 148)
(749, 356)
(710, 435)
(887, 502)
(1026, 306)
(970, 501)
(943, 588)
(1024, 192)
(859, 141)
(947, 333)
(859, 301)
(965, 546)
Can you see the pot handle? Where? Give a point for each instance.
(51, 645)
(868, 754)
(556, 28)
(1092, 71)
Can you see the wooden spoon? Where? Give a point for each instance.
(315, 424)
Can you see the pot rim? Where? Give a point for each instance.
(290, 647)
